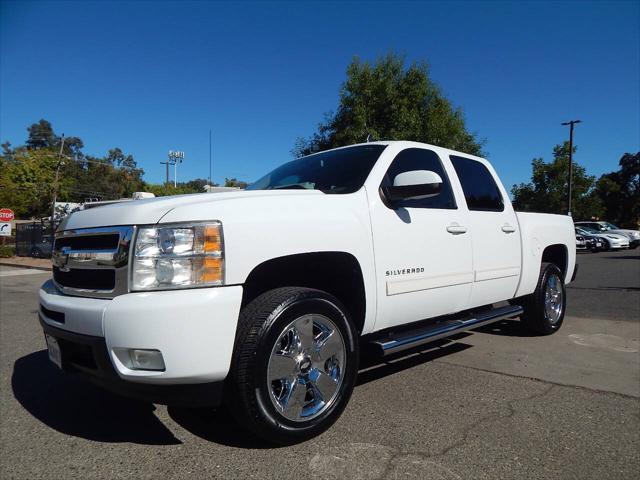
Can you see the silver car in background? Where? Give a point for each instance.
(606, 227)
(611, 241)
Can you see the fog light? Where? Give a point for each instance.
(140, 359)
(146, 359)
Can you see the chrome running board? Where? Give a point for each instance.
(402, 340)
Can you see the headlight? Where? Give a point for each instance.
(178, 256)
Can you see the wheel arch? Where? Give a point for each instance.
(335, 272)
(558, 255)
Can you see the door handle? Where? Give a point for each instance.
(506, 228)
(456, 229)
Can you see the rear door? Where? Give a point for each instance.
(494, 232)
(422, 247)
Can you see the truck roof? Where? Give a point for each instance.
(408, 143)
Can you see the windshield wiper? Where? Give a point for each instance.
(292, 186)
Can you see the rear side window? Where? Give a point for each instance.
(480, 189)
(421, 159)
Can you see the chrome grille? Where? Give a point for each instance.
(92, 262)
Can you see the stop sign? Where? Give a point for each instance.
(6, 215)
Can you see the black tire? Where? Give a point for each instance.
(536, 318)
(263, 324)
(606, 246)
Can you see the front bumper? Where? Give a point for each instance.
(194, 329)
(619, 245)
(89, 356)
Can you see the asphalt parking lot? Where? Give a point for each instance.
(491, 404)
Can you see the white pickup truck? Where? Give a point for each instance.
(262, 298)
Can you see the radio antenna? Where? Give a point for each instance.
(210, 164)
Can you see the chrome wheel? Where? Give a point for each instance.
(306, 367)
(553, 299)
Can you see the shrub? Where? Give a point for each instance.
(7, 251)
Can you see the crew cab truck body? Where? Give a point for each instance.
(262, 298)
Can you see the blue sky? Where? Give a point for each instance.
(149, 77)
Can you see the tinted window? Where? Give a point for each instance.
(480, 189)
(421, 159)
(334, 171)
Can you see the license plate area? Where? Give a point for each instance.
(53, 347)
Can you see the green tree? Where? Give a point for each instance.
(547, 191)
(117, 157)
(234, 182)
(27, 179)
(388, 101)
(99, 177)
(29, 171)
(192, 186)
(619, 192)
(41, 135)
(197, 185)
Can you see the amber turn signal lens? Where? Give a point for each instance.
(212, 241)
(212, 271)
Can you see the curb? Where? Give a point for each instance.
(32, 267)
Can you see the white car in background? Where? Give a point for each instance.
(606, 227)
(611, 241)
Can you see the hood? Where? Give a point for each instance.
(151, 210)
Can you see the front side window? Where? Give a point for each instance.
(480, 189)
(421, 159)
(335, 171)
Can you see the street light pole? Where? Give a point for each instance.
(571, 124)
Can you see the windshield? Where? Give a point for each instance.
(610, 226)
(586, 230)
(334, 171)
(596, 227)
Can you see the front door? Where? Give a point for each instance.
(423, 250)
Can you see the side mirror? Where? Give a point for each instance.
(413, 185)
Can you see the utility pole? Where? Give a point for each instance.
(55, 188)
(571, 124)
(167, 169)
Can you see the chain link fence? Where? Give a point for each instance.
(34, 239)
